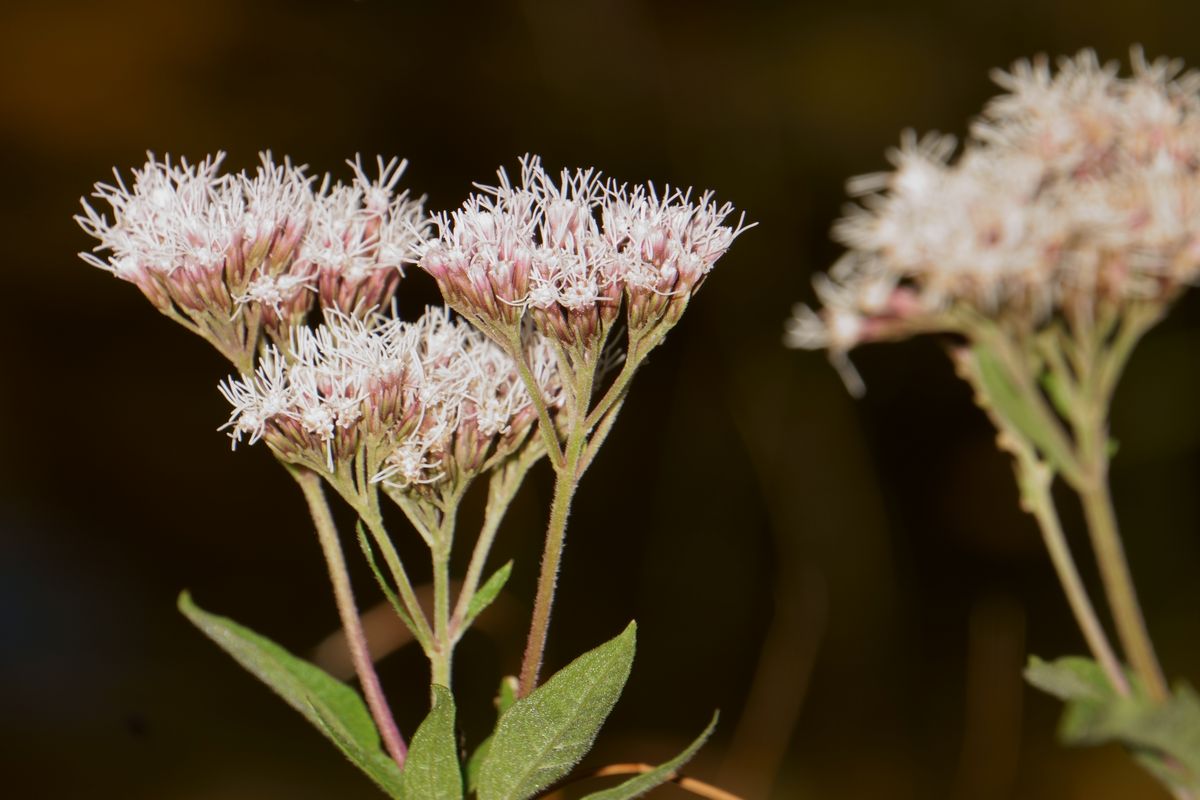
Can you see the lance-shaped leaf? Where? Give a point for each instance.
(543, 736)
(504, 700)
(431, 771)
(639, 785)
(330, 705)
(401, 612)
(487, 593)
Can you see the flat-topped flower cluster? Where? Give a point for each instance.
(541, 268)
(422, 401)
(235, 257)
(566, 251)
(1077, 189)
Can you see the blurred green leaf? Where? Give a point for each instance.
(1006, 400)
(330, 705)
(543, 736)
(1052, 383)
(1069, 678)
(1164, 737)
(432, 771)
(640, 784)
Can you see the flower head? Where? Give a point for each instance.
(242, 257)
(420, 402)
(361, 236)
(566, 250)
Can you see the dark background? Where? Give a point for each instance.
(849, 581)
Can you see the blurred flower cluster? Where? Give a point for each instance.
(1061, 234)
(1077, 189)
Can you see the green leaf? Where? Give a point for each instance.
(432, 771)
(377, 766)
(487, 593)
(639, 785)
(369, 552)
(475, 762)
(1007, 401)
(543, 736)
(1069, 678)
(1052, 383)
(330, 705)
(1164, 737)
(504, 700)
(507, 694)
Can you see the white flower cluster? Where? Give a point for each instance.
(213, 246)
(568, 249)
(1077, 187)
(428, 398)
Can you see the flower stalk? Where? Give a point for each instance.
(565, 483)
(564, 256)
(356, 639)
(1122, 596)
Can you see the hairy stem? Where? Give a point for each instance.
(502, 488)
(356, 639)
(374, 521)
(539, 626)
(443, 648)
(545, 425)
(443, 651)
(565, 483)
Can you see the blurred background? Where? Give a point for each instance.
(850, 582)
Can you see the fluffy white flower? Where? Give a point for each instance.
(239, 256)
(568, 249)
(428, 399)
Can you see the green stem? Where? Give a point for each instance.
(1118, 585)
(535, 646)
(567, 468)
(601, 433)
(638, 346)
(1101, 365)
(1035, 479)
(616, 392)
(374, 520)
(1054, 441)
(1135, 324)
(356, 639)
(443, 650)
(545, 425)
(502, 488)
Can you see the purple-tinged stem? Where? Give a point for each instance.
(356, 638)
